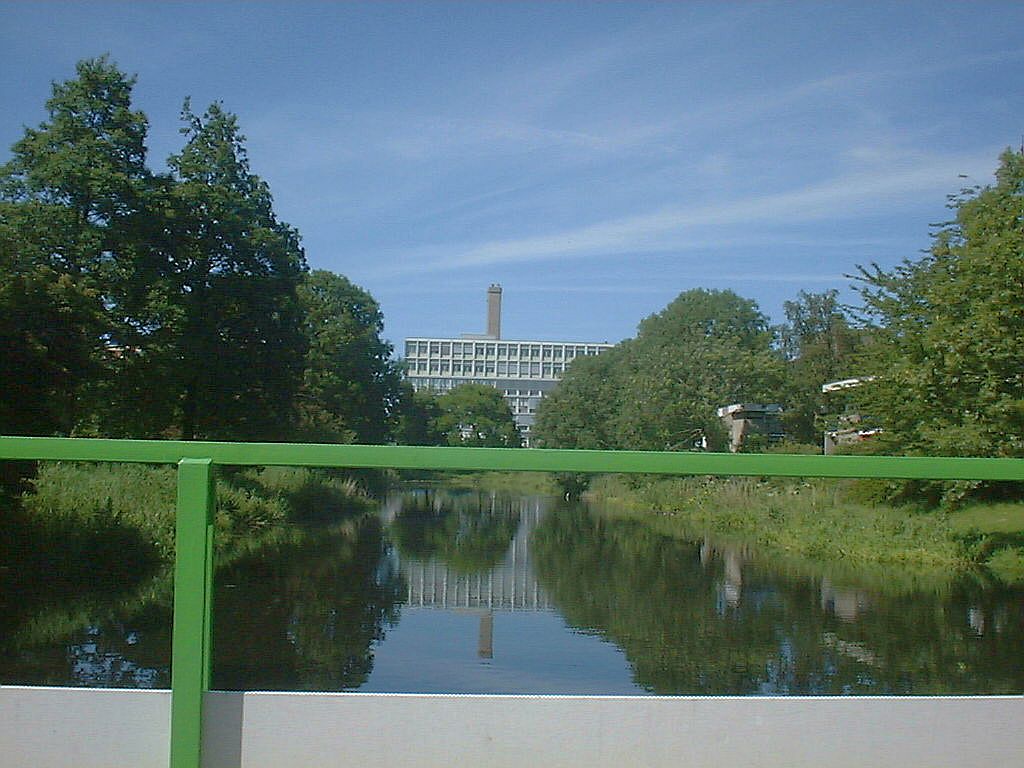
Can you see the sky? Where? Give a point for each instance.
(595, 159)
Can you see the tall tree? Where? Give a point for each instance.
(948, 329)
(74, 198)
(477, 415)
(350, 387)
(231, 286)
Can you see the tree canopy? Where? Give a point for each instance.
(476, 415)
(660, 390)
(947, 329)
(351, 387)
(144, 304)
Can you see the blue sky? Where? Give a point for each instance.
(596, 159)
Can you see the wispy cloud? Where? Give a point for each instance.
(684, 227)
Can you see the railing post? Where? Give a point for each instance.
(193, 597)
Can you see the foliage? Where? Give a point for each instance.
(238, 336)
(141, 499)
(476, 415)
(142, 304)
(819, 345)
(416, 417)
(661, 390)
(350, 386)
(72, 206)
(812, 520)
(580, 412)
(947, 332)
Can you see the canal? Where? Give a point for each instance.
(445, 590)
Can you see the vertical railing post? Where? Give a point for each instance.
(193, 597)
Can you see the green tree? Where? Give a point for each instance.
(51, 322)
(579, 413)
(229, 291)
(74, 199)
(477, 415)
(660, 391)
(948, 328)
(416, 417)
(350, 388)
(819, 345)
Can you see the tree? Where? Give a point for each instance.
(50, 324)
(229, 297)
(73, 201)
(660, 391)
(350, 386)
(579, 413)
(477, 415)
(416, 417)
(819, 345)
(947, 330)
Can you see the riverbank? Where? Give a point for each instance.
(138, 501)
(818, 520)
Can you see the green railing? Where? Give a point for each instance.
(193, 569)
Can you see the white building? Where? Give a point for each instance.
(523, 370)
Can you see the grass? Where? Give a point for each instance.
(141, 498)
(85, 532)
(816, 520)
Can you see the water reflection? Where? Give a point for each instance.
(477, 592)
(700, 619)
(306, 616)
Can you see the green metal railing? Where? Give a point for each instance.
(193, 568)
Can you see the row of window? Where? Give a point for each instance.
(500, 350)
(480, 368)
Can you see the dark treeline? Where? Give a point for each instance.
(939, 340)
(175, 304)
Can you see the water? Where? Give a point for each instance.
(467, 592)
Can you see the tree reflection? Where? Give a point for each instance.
(693, 618)
(469, 532)
(306, 617)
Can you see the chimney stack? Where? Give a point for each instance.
(494, 311)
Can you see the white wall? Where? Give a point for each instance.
(84, 728)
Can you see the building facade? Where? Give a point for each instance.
(524, 371)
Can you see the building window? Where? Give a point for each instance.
(534, 369)
(490, 350)
(446, 348)
(503, 350)
(546, 353)
(502, 368)
(547, 370)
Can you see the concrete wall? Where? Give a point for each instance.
(82, 728)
